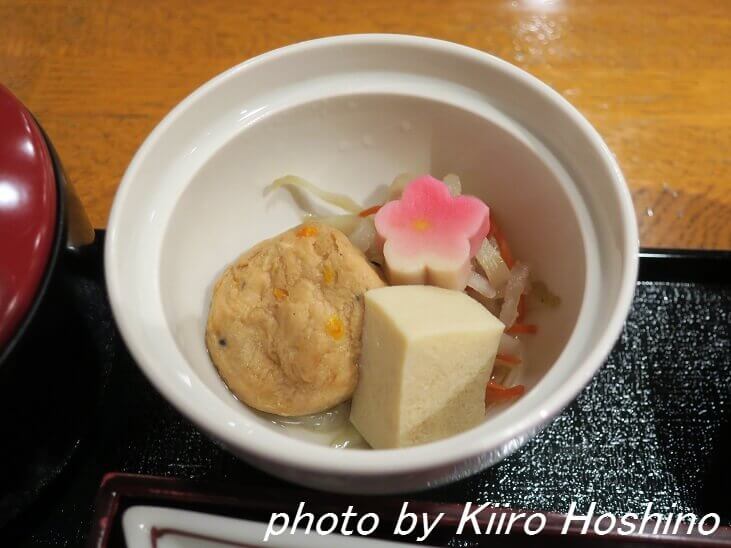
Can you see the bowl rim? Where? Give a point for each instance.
(306, 456)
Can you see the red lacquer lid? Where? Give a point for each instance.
(28, 211)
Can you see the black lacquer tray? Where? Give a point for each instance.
(653, 426)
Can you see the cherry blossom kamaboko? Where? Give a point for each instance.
(429, 236)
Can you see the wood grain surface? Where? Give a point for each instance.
(653, 76)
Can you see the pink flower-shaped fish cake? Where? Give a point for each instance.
(430, 236)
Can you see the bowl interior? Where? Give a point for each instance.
(355, 144)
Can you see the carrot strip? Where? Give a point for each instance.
(497, 392)
(502, 244)
(520, 328)
(370, 211)
(306, 231)
(508, 358)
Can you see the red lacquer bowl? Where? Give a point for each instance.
(43, 232)
(40, 218)
(29, 216)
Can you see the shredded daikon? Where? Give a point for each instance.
(493, 305)
(339, 200)
(492, 264)
(375, 255)
(453, 184)
(397, 185)
(364, 235)
(344, 223)
(514, 288)
(481, 284)
(510, 348)
(509, 345)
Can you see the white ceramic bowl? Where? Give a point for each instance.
(350, 113)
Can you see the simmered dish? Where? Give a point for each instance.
(395, 325)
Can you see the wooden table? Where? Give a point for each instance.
(652, 75)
